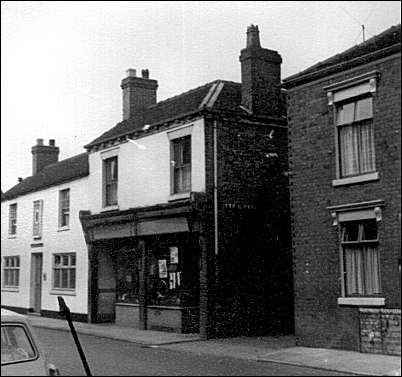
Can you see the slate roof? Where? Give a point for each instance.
(218, 95)
(381, 45)
(63, 171)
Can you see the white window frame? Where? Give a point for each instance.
(346, 90)
(37, 222)
(12, 219)
(67, 268)
(107, 155)
(16, 268)
(63, 208)
(355, 212)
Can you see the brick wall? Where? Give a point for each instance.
(254, 284)
(319, 321)
(380, 331)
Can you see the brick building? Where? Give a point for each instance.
(187, 225)
(344, 119)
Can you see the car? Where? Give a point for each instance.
(21, 352)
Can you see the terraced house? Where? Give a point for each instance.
(344, 119)
(187, 221)
(43, 249)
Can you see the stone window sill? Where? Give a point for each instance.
(10, 289)
(182, 195)
(63, 228)
(361, 301)
(110, 208)
(357, 179)
(62, 292)
(12, 236)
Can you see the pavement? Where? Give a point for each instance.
(280, 349)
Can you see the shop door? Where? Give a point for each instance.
(37, 281)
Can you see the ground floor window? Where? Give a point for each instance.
(11, 272)
(64, 271)
(361, 259)
(128, 275)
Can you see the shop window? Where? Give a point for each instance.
(110, 175)
(37, 218)
(12, 215)
(128, 276)
(11, 272)
(64, 208)
(361, 265)
(181, 164)
(64, 271)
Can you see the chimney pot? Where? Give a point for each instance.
(145, 73)
(20, 179)
(131, 72)
(253, 37)
(52, 142)
(39, 141)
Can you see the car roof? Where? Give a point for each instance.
(10, 316)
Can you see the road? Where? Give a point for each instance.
(107, 357)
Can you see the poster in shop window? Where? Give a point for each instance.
(174, 254)
(163, 274)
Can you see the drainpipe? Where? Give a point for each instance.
(216, 218)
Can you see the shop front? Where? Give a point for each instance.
(145, 267)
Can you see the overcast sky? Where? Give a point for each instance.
(62, 62)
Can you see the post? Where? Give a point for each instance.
(143, 294)
(64, 310)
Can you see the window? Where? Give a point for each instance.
(181, 164)
(354, 122)
(64, 208)
(12, 226)
(110, 181)
(37, 218)
(16, 346)
(11, 272)
(64, 268)
(361, 266)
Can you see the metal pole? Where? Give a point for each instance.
(64, 310)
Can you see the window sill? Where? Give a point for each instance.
(110, 208)
(62, 292)
(10, 289)
(358, 179)
(12, 236)
(361, 301)
(63, 228)
(37, 238)
(182, 195)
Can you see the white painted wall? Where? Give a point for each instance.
(54, 241)
(144, 169)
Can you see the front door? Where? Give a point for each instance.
(37, 281)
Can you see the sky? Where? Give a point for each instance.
(62, 62)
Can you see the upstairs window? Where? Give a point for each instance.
(361, 263)
(12, 215)
(354, 122)
(37, 218)
(110, 181)
(64, 208)
(181, 164)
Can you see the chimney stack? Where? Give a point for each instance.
(261, 77)
(138, 92)
(43, 155)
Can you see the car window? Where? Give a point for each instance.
(16, 345)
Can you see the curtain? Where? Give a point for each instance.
(366, 148)
(348, 136)
(371, 267)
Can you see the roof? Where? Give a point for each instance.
(63, 171)
(381, 45)
(218, 95)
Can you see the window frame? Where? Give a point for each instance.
(12, 220)
(62, 267)
(16, 269)
(62, 208)
(105, 183)
(180, 167)
(37, 225)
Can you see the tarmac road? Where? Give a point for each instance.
(107, 357)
